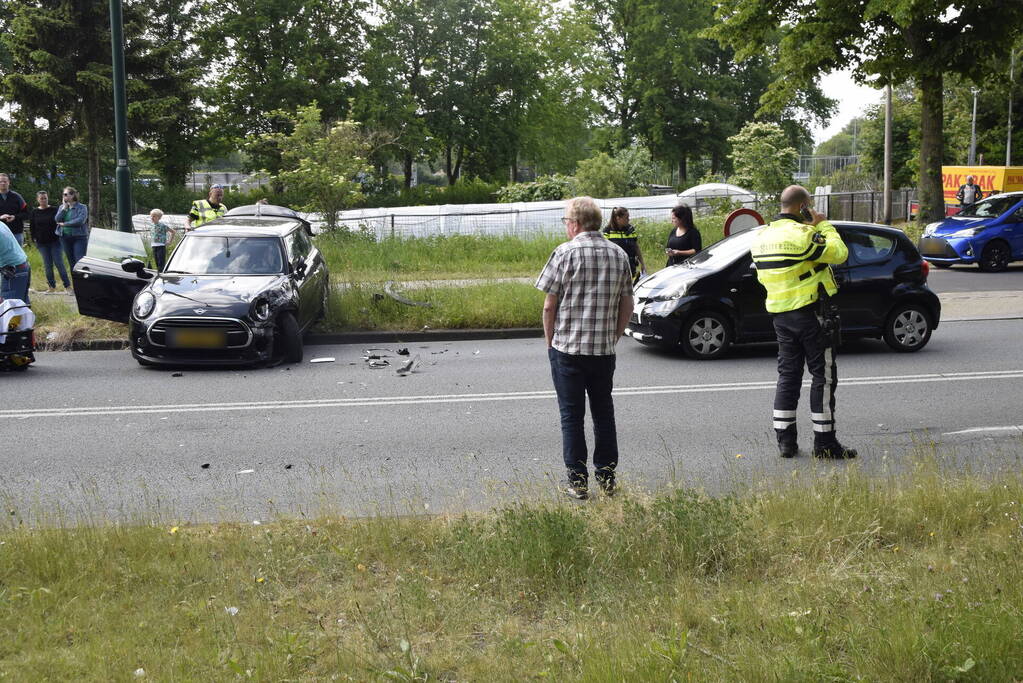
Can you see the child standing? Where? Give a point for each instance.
(160, 240)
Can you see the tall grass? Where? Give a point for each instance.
(842, 577)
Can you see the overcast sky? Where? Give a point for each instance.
(852, 100)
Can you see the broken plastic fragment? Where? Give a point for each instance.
(325, 359)
(377, 364)
(246, 471)
(205, 465)
(403, 352)
(231, 610)
(409, 366)
(177, 374)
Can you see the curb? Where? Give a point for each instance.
(381, 337)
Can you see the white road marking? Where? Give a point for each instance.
(979, 430)
(309, 404)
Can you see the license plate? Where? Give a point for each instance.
(197, 339)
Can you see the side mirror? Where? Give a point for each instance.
(133, 265)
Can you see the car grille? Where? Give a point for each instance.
(937, 247)
(237, 333)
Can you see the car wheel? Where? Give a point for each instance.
(995, 257)
(908, 328)
(288, 338)
(706, 336)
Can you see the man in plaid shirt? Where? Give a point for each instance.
(588, 283)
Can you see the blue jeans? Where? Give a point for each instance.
(575, 378)
(20, 236)
(17, 286)
(53, 255)
(74, 248)
(160, 255)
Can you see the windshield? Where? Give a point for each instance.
(114, 245)
(990, 208)
(723, 252)
(215, 255)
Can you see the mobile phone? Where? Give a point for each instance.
(805, 213)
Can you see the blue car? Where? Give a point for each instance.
(988, 233)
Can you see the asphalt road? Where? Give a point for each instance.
(970, 279)
(91, 435)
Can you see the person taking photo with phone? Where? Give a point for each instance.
(793, 256)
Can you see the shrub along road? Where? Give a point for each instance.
(474, 426)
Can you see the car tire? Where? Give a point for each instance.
(288, 338)
(908, 328)
(995, 257)
(706, 335)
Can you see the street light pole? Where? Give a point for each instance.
(973, 130)
(122, 175)
(887, 196)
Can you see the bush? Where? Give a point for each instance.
(178, 200)
(544, 188)
(389, 193)
(602, 176)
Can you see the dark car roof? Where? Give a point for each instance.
(884, 229)
(240, 226)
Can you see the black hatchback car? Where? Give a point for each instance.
(241, 289)
(714, 300)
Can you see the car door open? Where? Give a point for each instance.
(103, 288)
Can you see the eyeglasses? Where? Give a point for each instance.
(566, 219)
(69, 194)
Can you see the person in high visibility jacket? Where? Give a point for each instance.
(620, 232)
(205, 210)
(792, 256)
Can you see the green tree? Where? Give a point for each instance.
(885, 42)
(278, 54)
(323, 162)
(762, 158)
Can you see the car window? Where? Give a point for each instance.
(218, 255)
(299, 245)
(114, 245)
(1017, 217)
(989, 208)
(866, 247)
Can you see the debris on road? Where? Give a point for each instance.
(177, 374)
(409, 366)
(205, 465)
(324, 359)
(376, 364)
(403, 351)
(246, 471)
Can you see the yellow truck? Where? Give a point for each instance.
(992, 180)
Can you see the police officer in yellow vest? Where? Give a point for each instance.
(792, 256)
(205, 210)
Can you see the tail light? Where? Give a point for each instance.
(925, 268)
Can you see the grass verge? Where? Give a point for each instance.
(844, 577)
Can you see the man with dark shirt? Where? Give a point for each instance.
(42, 225)
(13, 209)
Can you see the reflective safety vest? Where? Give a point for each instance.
(792, 262)
(620, 235)
(206, 212)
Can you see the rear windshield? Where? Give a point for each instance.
(989, 208)
(215, 255)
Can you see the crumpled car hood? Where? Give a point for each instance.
(668, 278)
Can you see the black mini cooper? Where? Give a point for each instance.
(714, 300)
(241, 289)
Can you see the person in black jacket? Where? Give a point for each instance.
(684, 239)
(42, 224)
(13, 209)
(969, 193)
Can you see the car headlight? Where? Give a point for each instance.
(929, 230)
(260, 309)
(672, 292)
(968, 232)
(144, 304)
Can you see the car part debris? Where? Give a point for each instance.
(376, 364)
(403, 352)
(325, 359)
(409, 366)
(177, 374)
(246, 471)
(402, 300)
(205, 465)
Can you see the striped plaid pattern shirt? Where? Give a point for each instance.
(589, 275)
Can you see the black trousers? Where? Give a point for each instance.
(802, 340)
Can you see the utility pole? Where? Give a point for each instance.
(973, 130)
(887, 198)
(122, 175)
(1008, 127)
